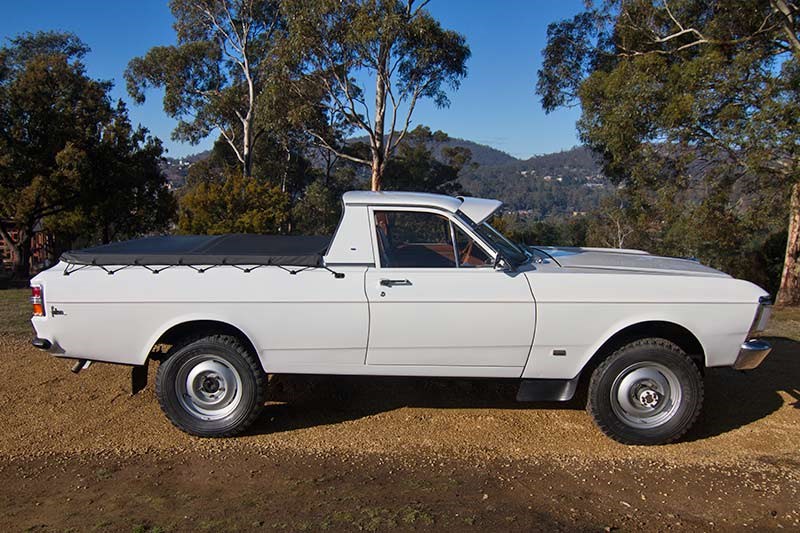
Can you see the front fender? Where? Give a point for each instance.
(569, 335)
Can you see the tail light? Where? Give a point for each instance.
(37, 300)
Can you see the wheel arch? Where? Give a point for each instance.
(181, 328)
(663, 329)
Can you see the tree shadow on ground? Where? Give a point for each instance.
(733, 399)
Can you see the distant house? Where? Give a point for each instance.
(42, 245)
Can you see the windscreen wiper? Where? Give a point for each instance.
(547, 254)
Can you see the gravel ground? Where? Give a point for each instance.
(385, 453)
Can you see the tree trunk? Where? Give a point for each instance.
(377, 171)
(329, 162)
(22, 268)
(247, 169)
(789, 292)
(378, 140)
(286, 169)
(247, 152)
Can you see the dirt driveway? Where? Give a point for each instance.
(78, 452)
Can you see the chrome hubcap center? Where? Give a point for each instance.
(646, 395)
(208, 387)
(649, 398)
(211, 384)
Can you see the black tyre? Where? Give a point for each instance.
(647, 392)
(211, 386)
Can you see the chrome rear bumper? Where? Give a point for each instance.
(751, 354)
(42, 344)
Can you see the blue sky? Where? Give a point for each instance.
(495, 105)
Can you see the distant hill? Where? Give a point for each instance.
(177, 168)
(558, 184)
(481, 154)
(562, 183)
(578, 161)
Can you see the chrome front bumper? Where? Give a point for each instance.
(751, 354)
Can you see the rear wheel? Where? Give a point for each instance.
(211, 386)
(647, 392)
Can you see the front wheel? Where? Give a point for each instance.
(647, 392)
(211, 387)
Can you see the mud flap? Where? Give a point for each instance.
(547, 390)
(139, 377)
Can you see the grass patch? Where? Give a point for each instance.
(785, 322)
(15, 312)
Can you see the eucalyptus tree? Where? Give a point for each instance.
(417, 167)
(396, 45)
(668, 84)
(213, 75)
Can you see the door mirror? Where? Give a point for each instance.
(501, 263)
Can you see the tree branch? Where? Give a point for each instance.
(787, 13)
(324, 144)
(230, 140)
(414, 97)
(700, 38)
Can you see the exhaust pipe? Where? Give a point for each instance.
(80, 364)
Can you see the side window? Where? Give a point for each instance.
(414, 239)
(470, 254)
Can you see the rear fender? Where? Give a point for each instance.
(186, 319)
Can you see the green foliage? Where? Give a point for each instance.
(692, 106)
(214, 74)
(396, 43)
(415, 167)
(124, 192)
(237, 204)
(552, 232)
(69, 159)
(319, 210)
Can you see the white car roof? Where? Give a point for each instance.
(477, 209)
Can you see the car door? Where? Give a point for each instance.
(437, 304)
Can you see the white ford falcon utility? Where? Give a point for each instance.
(411, 284)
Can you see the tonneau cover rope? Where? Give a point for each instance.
(202, 252)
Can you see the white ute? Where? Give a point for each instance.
(411, 284)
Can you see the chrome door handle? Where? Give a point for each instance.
(393, 282)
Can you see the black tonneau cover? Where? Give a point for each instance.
(234, 249)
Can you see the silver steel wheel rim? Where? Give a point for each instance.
(646, 395)
(208, 387)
